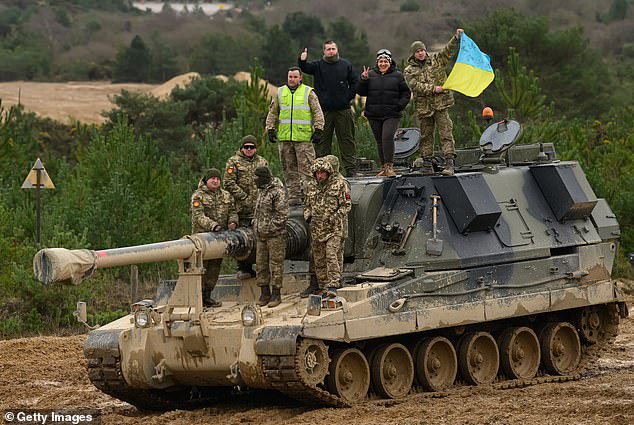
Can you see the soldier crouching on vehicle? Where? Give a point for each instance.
(213, 210)
(269, 224)
(326, 210)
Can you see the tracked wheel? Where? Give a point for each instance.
(312, 358)
(478, 358)
(561, 348)
(519, 353)
(436, 363)
(349, 376)
(392, 371)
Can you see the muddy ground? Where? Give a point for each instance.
(49, 373)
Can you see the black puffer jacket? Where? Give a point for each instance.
(387, 94)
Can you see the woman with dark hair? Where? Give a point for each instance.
(387, 94)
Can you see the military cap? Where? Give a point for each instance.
(416, 46)
(248, 139)
(263, 172)
(212, 172)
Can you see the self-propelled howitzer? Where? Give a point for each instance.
(497, 275)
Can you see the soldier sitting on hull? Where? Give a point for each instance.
(326, 209)
(213, 210)
(269, 224)
(239, 181)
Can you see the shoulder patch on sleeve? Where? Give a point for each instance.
(195, 203)
(230, 170)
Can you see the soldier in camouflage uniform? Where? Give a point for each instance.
(213, 210)
(425, 74)
(300, 121)
(326, 209)
(239, 181)
(269, 225)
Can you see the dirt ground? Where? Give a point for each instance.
(49, 373)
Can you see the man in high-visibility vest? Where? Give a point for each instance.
(300, 122)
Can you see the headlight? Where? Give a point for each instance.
(142, 319)
(249, 315)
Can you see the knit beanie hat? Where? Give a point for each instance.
(248, 139)
(263, 171)
(384, 54)
(212, 172)
(417, 45)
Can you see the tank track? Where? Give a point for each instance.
(105, 374)
(283, 375)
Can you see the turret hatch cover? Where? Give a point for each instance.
(500, 136)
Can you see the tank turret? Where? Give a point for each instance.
(499, 274)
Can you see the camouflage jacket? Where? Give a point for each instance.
(238, 180)
(422, 77)
(327, 204)
(271, 210)
(210, 209)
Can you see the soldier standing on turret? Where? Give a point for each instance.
(425, 74)
(213, 210)
(239, 181)
(326, 209)
(269, 224)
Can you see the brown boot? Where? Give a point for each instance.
(389, 169)
(276, 298)
(423, 166)
(265, 296)
(449, 165)
(382, 172)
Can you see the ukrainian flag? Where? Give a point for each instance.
(472, 72)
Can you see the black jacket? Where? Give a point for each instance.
(387, 94)
(334, 82)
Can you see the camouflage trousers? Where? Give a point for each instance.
(210, 278)
(439, 119)
(328, 256)
(269, 265)
(297, 158)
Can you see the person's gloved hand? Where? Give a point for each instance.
(316, 137)
(272, 136)
(218, 228)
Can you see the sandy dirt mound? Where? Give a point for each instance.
(166, 88)
(49, 372)
(81, 101)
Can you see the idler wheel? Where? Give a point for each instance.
(436, 363)
(312, 358)
(349, 376)
(392, 371)
(519, 353)
(478, 358)
(561, 348)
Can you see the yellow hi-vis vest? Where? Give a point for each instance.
(295, 119)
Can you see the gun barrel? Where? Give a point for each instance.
(58, 264)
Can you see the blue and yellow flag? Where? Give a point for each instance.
(472, 72)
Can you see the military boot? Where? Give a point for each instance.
(423, 166)
(314, 286)
(265, 296)
(449, 165)
(276, 298)
(208, 301)
(245, 271)
(389, 169)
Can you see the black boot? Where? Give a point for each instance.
(245, 270)
(208, 301)
(311, 288)
(449, 165)
(276, 298)
(265, 296)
